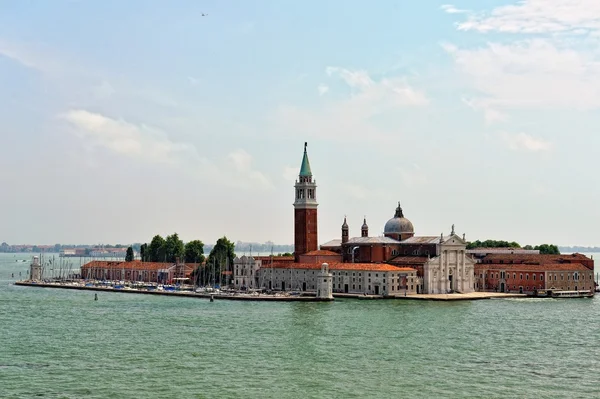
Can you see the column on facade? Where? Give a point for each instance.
(447, 261)
(464, 273)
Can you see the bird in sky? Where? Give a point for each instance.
(204, 15)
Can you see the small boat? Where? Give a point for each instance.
(571, 294)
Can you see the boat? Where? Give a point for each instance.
(571, 294)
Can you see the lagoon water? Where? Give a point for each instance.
(63, 344)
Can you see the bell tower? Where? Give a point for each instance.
(305, 211)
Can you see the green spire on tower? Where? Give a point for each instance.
(305, 168)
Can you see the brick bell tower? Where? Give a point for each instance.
(305, 211)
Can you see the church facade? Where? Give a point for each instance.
(399, 262)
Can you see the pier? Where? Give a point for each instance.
(182, 293)
(304, 297)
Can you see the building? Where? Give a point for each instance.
(305, 211)
(525, 273)
(441, 262)
(349, 278)
(150, 272)
(362, 265)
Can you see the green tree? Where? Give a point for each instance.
(194, 252)
(129, 255)
(548, 249)
(219, 260)
(529, 247)
(174, 248)
(144, 252)
(157, 249)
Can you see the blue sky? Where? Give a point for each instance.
(121, 120)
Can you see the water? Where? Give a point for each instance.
(63, 344)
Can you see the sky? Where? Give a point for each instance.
(120, 120)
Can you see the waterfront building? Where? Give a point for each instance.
(245, 270)
(525, 273)
(349, 278)
(397, 262)
(151, 272)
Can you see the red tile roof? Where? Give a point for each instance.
(134, 265)
(377, 267)
(409, 260)
(274, 258)
(321, 252)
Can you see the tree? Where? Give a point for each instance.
(548, 249)
(144, 252)
(129, 255)
(157, 249)
(220, 259)
(173, 248)
(194, 252)
(529, 247)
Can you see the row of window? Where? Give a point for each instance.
(504, 275)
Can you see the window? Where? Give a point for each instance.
(515, 275)
(369, 288)
(521, 276)
(534, 276)
(527, 276)
(376, 275)
(359, 287)
(353, 286)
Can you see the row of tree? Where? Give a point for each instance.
(547, 249)
(171, 248)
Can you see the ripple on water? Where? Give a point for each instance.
(62, 344)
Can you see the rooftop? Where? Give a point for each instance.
(332, 243)
(376, 267)
(321, 252)
(134, 265)
(535, 267)
(371, 240)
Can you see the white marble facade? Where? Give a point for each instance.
(451, 271)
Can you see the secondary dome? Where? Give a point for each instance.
(398, 224)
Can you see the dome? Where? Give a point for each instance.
(398, 224)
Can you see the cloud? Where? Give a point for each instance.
(534, 73)
(538, 16)
(351, 117)
(450, 9)
(490, 114)
(525, 142)
(290, 173)
(412, 175)
(144, 143)
(140, 142)
(242, 164)
(323, 89)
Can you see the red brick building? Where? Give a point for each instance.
(525, 273)
(151, 272)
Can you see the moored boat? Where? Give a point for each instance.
(571, 294)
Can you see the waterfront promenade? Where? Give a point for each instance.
(305, 297)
